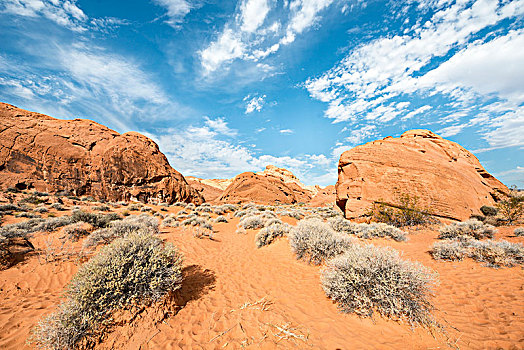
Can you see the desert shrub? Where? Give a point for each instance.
(268, 234)
(170, 221)
(101, 208)
(220, 218)
(519, 231)
(494, 253)
(368, 279)
(179, 204)
(295, 214)
(449, 250)
(315, 241)
(196, 221)
(406, 212)
(140, 224)
(202, 232)
(497, 253)
(367, 231)
(135, 206)
(27, 215)
(511, 208)
(57, 206)
(9, 208)
(41, 210)
(381, 230)
(471, 228)
(145, 209)
(203, 208)
(133, 270)
(96, 219)
(252, 222)
(77, 230)
(488, 210)
(33, 199)
(190, 206)
(272, 221)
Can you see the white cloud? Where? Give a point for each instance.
(205, 152)
(253, 14)
(286, 131)
(247, 38)
(385, 68)
(254, 104)
(64, 13)
(176, 10)
(227, 47)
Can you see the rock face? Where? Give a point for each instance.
(210, 189)
(84, 158)
(325, 197)
(273, 186)
(444, 176)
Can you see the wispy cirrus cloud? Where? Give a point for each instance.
(254, 34)
(176, 10)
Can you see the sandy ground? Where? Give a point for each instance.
(235, 295)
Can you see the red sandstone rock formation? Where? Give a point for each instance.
(84, 158)
(274, 186)
(444, 176)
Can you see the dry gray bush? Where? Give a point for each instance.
(220, 218)
(471, 228)
(315, 241)
(170, 221)
(368, 279)
(77, 230)
(494, 253)
(252, 222)
(519, 231)
(140, 224)
(132, 270)
(268, 234)
(367, 231)
(449, 250)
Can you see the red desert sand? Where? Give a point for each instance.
(235, 295)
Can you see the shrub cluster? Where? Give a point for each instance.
(367, 231)
(268, 234)
(365, 279)
(141, 224)
(519, 231)
(130, 271)
(467, 229)
(315, 241)
(494, 253)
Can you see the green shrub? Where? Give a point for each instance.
(133, 270)
(406, 212)
(471, 228)
(314, 241)
(366, 279)
(512, 208)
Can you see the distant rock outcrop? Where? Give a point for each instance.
(444, 176)
(273, 186)
(84, 158)
(210, 189)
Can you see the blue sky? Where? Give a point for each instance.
(231, 86)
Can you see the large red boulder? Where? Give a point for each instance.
(84, 158)
(443, 175)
